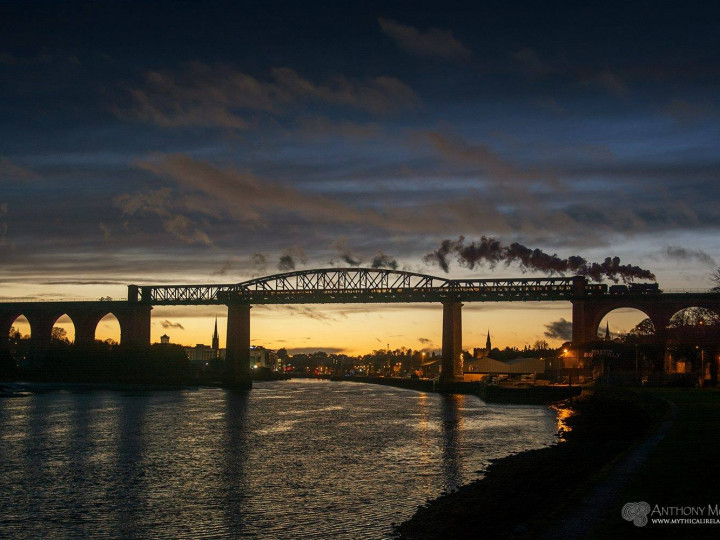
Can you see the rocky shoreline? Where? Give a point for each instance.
(525, 494)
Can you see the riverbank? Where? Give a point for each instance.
(681, 472)
(520, 395)
(525, 494)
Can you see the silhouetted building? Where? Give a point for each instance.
(202, 354)
(477, 368)
(164, 338)
(483, 353)
(262, 357)
(216, 341)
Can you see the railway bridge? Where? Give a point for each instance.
(591, 302)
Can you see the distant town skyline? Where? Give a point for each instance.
(213, 142)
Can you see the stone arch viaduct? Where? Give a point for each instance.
(590, 303)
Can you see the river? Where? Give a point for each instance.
(290, 459)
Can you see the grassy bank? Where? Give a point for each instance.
(525, 494)
(682, 471)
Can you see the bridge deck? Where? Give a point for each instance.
(362, 285)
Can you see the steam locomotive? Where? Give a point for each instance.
(635, 288)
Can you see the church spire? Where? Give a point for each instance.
(607, 330)
(488, 345)
(216, 340)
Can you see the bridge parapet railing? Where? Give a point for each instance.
(691, 291)
(35, 300)
(182, 294)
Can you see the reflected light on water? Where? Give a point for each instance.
(290, 459)
(564, 413)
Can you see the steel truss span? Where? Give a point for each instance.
(362, 285)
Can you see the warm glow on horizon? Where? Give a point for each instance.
(353, 329)
(357, 329)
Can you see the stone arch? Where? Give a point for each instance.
(694, 316)
(694, 342)
(9, 321)
(13, 349)
(108, 326)
(67, 330)
(600, 315)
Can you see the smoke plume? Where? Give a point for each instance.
(350, 260)
(345, 254)
(286, 263)
(259, 261)
(290, 258)
(440, 255)
(489, 251)
(384, 261)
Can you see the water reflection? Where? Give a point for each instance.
(563, 415)
(130, 468)
(234, 457)
(451, 432)
(311, 459)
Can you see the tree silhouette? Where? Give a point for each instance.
(694, 317)
(640, 332)
(715, 278)
(59, 334)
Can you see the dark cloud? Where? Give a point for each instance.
(497, 167)
(3, 226)
(608, 81)
(689, 112)
(86, 282)
(526, 140)
(425, 341)
(168, 324)
(161, 203)
(11, 172)
(220, 95)
(312, 313)
(42, 58)
(434, 43)
(560, 329)
(309, 350)
(230, 189)
(531, 64)
(680, 253)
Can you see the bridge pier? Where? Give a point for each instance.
(6, 321)
(41, 326)
(452, 361)
(135, 325)
(84, 328)
(579, 326)
(237, 348)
